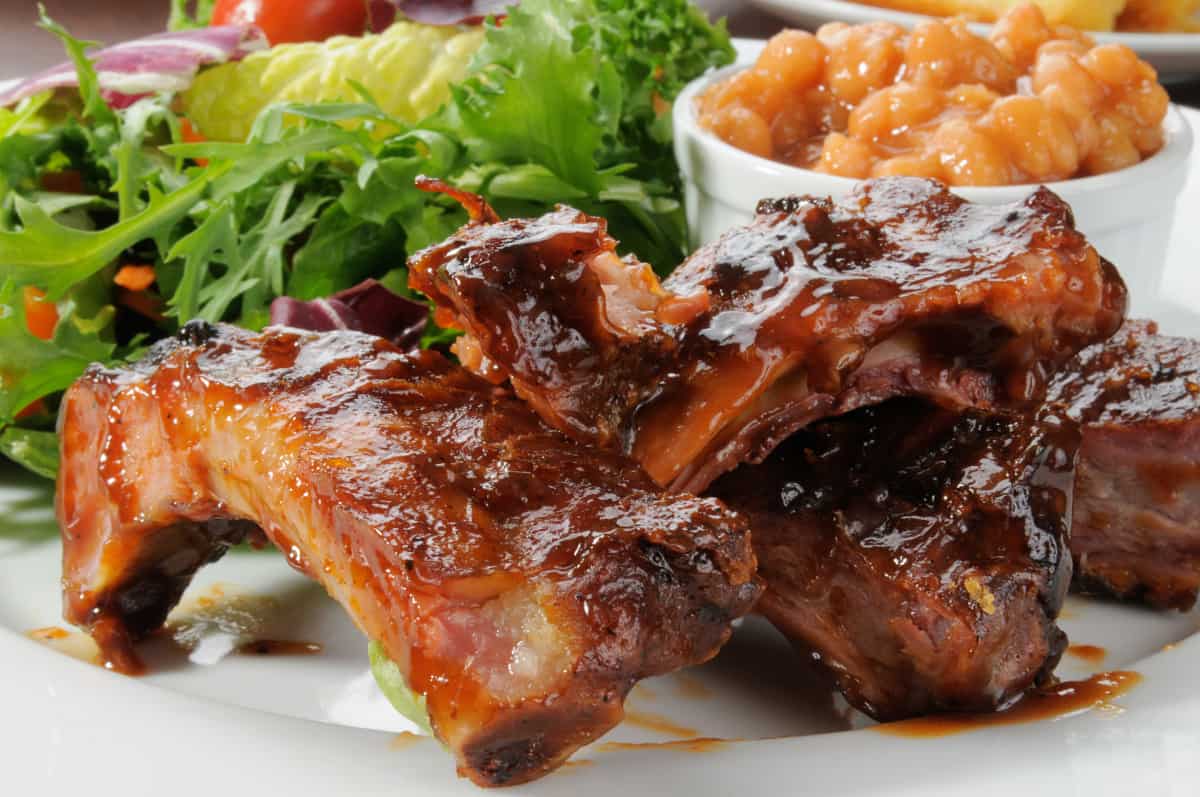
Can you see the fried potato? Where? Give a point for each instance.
(1160, 15)
(1083, 14)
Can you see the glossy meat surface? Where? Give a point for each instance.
(1136, 529)
(814, 309)
(521, 581)
(918, 553)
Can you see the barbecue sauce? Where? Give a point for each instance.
(1064, 699)
(700, 744)
(769, 328)
(405, 740)
(279, 647)
(658, 724)
(1092, 654)
(71, 643)
(691, 687)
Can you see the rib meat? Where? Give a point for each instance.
(816, 308)
(1136, 528)
(522, 582)
(918, 553)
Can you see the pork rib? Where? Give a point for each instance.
(919, 554)
(1136, 529)
(522, 582)
(814, 309)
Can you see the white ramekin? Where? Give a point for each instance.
(1127, 215)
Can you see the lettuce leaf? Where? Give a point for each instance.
(556, 101)
(55, 256)
(396, 689)
(36, 450)
(570, 100)
(32, 368)
(407, 71)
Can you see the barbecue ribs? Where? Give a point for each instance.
(1136, 528)
(814, 309)
(918, 553)
(521, 581)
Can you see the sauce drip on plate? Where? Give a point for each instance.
(1064, 699)
(701, 744)
(279, 647)
(1092, 654)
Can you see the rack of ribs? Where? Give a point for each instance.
(522, 582)
(1136, 527)
(919, 554)
(816, 308)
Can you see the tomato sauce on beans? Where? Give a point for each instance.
(1030, 103)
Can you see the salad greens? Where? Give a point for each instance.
(566, 101)
(395, 688)
(407, 70)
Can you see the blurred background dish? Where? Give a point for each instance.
(1175, 54)
(1131, 16)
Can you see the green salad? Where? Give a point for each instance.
(290, 173)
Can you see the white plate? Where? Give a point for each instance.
(316, 726)
(1173, 54)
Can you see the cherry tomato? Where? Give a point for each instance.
(190, 135)
(295, 20)
(41, 316)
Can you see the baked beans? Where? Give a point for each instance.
(1030, 103)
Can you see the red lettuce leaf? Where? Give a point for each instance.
(133, 69)
(452, 12)
(367, 307)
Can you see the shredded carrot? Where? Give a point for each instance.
(41, 316)
(135, 277)
(140, 302)
(191, 135)
(67, 181)
(36, 408)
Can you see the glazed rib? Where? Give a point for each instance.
(816, 308)
(522, 582)
(919, 554)
(1136, 529)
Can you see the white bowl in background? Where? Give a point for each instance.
(1127, 215)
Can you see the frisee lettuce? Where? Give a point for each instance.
(568, 100)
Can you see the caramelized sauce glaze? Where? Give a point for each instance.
(818, 306)
(521, 582)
